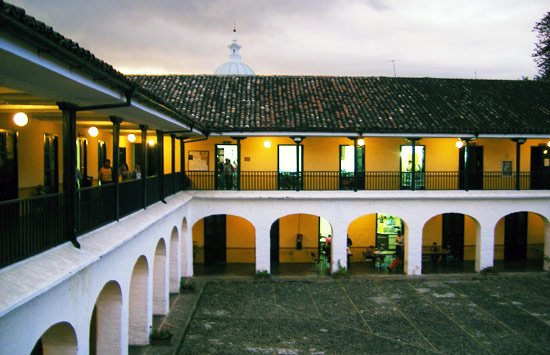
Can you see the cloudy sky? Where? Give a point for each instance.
(487, 39)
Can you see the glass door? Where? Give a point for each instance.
(51, 167)
(407, 165)
(347, 167)
(227, 158)
(289, 169)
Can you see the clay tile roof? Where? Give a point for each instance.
(356, 104)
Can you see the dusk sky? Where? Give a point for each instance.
(487, 39)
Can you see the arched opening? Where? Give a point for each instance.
(449, 244)
(186, 260)
(160, 294)
(174, 270)
(60, 338)
(224, 244)
(105, 324)
(376, 244)
(300, 244)
(138, 322)
(519, 242)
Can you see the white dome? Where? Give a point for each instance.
(234, 66)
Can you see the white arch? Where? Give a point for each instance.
(108, 316)
(160, 289)
(174, 262)
(139, 322)
(60, 338)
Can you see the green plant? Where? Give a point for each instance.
(162, 333)
(488, 270)
(262, 273)
(187, 285)
(341, 271)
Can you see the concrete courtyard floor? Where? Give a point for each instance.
(458, 313)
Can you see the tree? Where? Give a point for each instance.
(542, 48)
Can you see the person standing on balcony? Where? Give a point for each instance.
(125, 174)
(228, 174)
(106, 172)
(137, 172)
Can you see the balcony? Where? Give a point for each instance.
(372, 180)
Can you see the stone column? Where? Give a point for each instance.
(263, 244)
(338, 253)
(485, 244)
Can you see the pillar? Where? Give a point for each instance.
(160, 168)
(145, 166)
(116, 161)
(413, 248)
(69, 170)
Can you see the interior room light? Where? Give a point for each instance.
(151, 142)
(360, 142)
(131, 138)
(93, 131)
(459, 144)
(21, 119)
(267, 143)
(548, 144)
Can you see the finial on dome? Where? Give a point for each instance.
(234, 66)
(234, 26)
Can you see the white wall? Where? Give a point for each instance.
(63, 284)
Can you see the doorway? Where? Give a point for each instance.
(540, 168)
(289, 169)
(274, 237)
(453, 234)
(9, 186)
(215, 228)
(515, 236)
(226, 171)
(471, 178)
(347, 167)
(406, 166)
(51, 167)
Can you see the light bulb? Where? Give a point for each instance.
(151, 142)
(93, 131)
(21, 119)
(360, 142)
(459, 144)
(267, 143)
(131, 138)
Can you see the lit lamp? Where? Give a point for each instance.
(267, 143)
(21, 119)
(151, 142)
(459, 144)
(93, 131)
(548, 144)
(131, 138)
(360, 142)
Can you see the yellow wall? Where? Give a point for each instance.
(362, 232)
(240, 240)
(432, 232)
(289, 227)
(198, 242)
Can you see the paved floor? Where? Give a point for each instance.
(472, 313)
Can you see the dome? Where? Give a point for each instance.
(234, 66)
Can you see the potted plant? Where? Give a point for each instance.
(161, 336)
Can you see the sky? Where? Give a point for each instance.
(484, 39)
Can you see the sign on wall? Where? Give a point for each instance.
(198, 160)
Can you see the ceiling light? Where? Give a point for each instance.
(360, 142)
(459, 144)
(93, 131)
(131, 138)
(267, 143)
(151, 142)
(21, 119)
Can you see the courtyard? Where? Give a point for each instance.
(489, 314)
